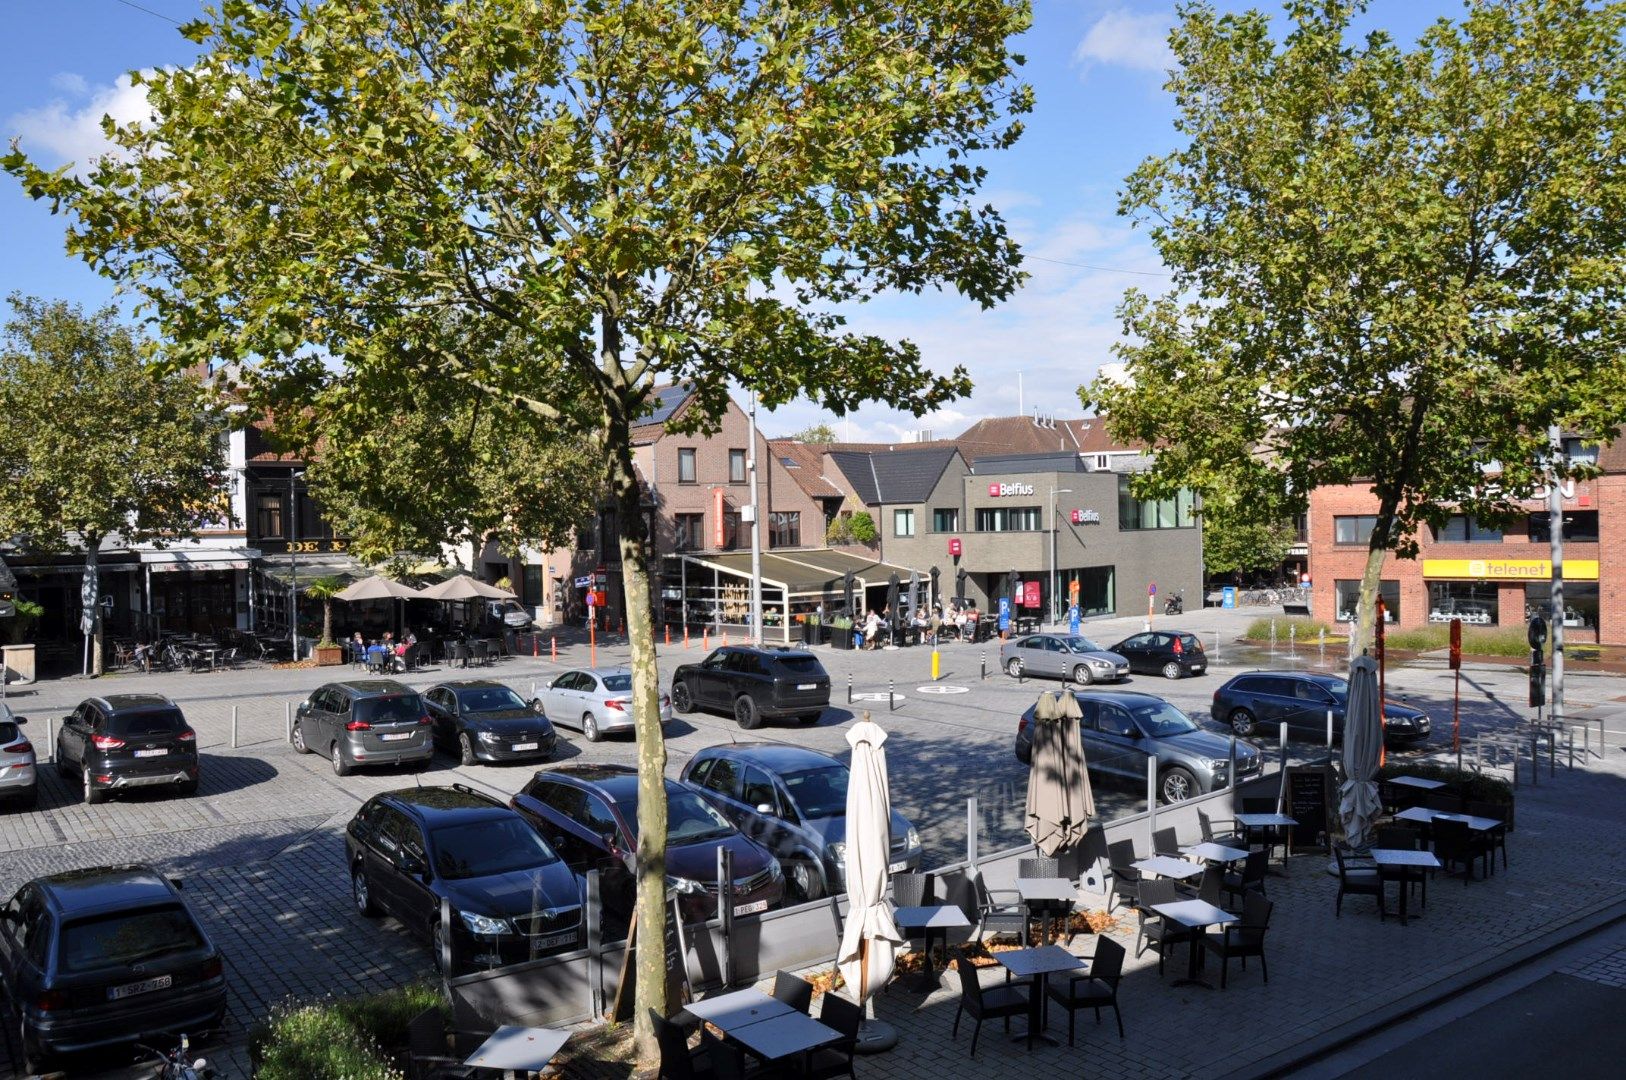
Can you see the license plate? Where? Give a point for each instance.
(151, 753)
(897, 868)
(397, 737)
(146, 986)
(751, 908)
(807, 686)
(556, 939)
(525, 746)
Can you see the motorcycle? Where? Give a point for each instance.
(1174, 605)
(175, 1064)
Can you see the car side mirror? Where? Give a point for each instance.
(536, 707)
(19, 719)
(764, 808)
(609, 842)
(410, 864)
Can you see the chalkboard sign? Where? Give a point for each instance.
(678, 990)
(1311, 796)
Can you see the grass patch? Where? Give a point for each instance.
(1306, 629)
(344, 1039)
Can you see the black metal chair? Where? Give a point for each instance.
(1250, 879)
(460, 655)
(677, 1061)
(845, 1018)
(1357, 881)
(1154, 929)
(1243, 939)
(727, 1060)
(1496, 839)
(1097, 988)
(793, 991)
(990, 1003)
(1456, 844)
(1058, 910)
(1125, 878)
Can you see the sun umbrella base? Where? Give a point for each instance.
(875, 1036)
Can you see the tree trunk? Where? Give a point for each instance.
(1372, 578)
(650, 961)
(90, 589)
(327, 619)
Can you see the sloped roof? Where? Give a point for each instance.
(1025, 435)
(805, 465)
(894, 475)
(665, 403)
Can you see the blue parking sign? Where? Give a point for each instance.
(1075, 621)
(1004, 613)
(1228, 596)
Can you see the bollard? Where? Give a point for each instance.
(668, 630)
(685, 635)
(849, 688)
(1021, 673)
(705, 640)
(553, 646)
(536, 646)
(937, 665)
(1552, 752)
(1571, 742)
(725, 639)
(234, 727)
(288, 719)
(891, 700)
(985, 667)
(1329, 731)
(50, 733)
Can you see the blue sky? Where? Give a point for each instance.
(1096, 67)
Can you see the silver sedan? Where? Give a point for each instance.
(596, 701)
(1061, 656)
(18, 782)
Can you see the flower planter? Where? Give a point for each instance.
(841, 637)
(328, 655)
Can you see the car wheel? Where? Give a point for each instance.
(1242, 722)
(745, 713)
(1082, 676)
(186, 788)
(341, 767)
(362, 892)
(34, 1059)
(437, 949)
(299, 739)
(1013, 667)
(93, 794)
(810, 718)
(1171, 670)
(465, 750)
(1177, 785)
(804, 880)
(62, 769)
(680, 698)
(590, 730)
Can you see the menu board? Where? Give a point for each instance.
(677, 967)
(1311, 798)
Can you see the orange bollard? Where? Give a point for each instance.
(621, 626)
(705, 640)
(553, 647)
(536, 646)
(685, 635)
(668, 635)
(725, 639)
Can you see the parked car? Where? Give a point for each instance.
(595, 701)
(512, 896)
(1063, 656)
(123, 741)
(483, 720)
(589, 814)
(1123, 729)
(365, 722)
(794, 802)
(102, 956)
(1301, 700)
(18, 782)
(1169, 653)
(754, 684)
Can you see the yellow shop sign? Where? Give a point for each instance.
(1509, 569)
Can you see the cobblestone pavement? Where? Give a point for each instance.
(260, 844)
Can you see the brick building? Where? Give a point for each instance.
(1482, 574)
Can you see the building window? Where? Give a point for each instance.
(736, 533)
(1349, 600)
(945, 520)
(1581, 525)
(903, 523)
(1355, 529)
(1474, 602)
(785, 529)
(1179, 512)
(736, 466)
(689, 531)
(1462, 529)
(1008, 519)
(1103, 462)
(268, 515)
(686, 465)
(1580, 603)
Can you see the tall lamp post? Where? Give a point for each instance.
(293, 556)
(1053, 493)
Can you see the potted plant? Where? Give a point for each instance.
(15, 632)
(327, 652)
(841, 632)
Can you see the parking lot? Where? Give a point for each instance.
(260, 844)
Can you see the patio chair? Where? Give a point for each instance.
(1002, 916)
(914, 890)
(1125, 878)
(479, 652)
(1058, 910)
(1210, 887)
(1097, 988)
(459, 655)
(1357, 881)
(1243, 939)
(1166, 842)
(1268, 836)
(1496, 839)
(428, 1053)
(841, 1015)
(991, 1003)
(1229, 838)
(1251, 878)
(793, 991)
(678, 1062)
(1440, 800)
(727, 1060)
(1154, 929)
(1455, 843)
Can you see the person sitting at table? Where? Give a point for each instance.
(872, 628)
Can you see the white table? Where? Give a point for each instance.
(1417, 782)
(1272, 821)
(518, 1049)
(1424, 815)
(737, 1008)
(783, 1035)
(1169, 867)
(1405, 858)
(1038, 963)
(939, 917)
(1213, 852)
(1195, 915)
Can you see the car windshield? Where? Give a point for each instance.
(127, 937)
(486, 848)
(489, 699)
(618, 684)
(397, 709)
(1159, 719)
(1082, 645)
(819, 793)
(154, 722)
(689, 818)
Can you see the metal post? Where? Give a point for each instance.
(293, 565)
(849, 688)
(595, 957)
(1329, 731)
(725, 910)
(1570, 740)
(1479, 757)
(984, 667)
(1281, 794)
(288, 720)
(1151, 801)
(1552, 751)
(1535, 758)
(1555, 535)
(756, 527)
(891, 699)
(50, 737)
(971, 831)
(1230, 773)
(234, 727)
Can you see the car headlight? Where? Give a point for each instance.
(911, 839)
(488, 736)
(775, 871)
(1400, 721)
(838, 852)
(485, 924)
(1104, 665)
(685, 886)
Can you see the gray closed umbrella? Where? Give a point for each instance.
(1060, 802)
(914, 592)
(1358, 802)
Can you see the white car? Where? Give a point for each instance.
(595, 701)
(18, 782)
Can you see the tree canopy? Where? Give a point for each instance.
(816, 433)
(1392, 266)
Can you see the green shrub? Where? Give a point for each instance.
(1476, 640)
(348, 1039)
(863, 527)
(1308, 629)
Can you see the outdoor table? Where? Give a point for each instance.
(737, 1009)
(781, 1036)
(1401, 857)
(1212, 852)
(939, 917)
(1423, 815)
(1271, 821)
(1170, 867)
(1039, 890)
(1196, 915)
(1038, 963)
(1417, 782)
(518, 1049)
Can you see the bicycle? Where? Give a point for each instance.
(176, 1065)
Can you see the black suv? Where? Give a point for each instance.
(1169, 653)
(753, 684)
(103, 956)
(512, 897)
(1301, 700)
(366, 722)
(125, 741)
(482, 720)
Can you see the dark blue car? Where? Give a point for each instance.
(1301, 700)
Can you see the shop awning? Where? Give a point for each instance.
(174, 559)
(282, 568)
(812, 573)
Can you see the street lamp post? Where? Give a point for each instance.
(293, 555)
(1053, 493)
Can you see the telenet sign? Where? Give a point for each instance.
(1509, 569)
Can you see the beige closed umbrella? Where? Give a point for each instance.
(464, 587)
(378, 587)
(1060, 802)
(870, 938)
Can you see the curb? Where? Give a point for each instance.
(1285, 1062)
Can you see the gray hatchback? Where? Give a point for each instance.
(366, 722)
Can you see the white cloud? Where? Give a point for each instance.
(74, 134)
(1127, 39)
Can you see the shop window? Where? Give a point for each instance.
(785, 529)
(1177, 512)
(903, 523)
(1348, 595)
(689, 531)
(945, 520)
(1008, 519)
(1579, 525)
(1474, 602)
(736, 466)
(1464, 529)
(686, 465)
(1354, 529)
(1580, 603)
(268, 515)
